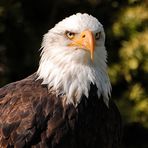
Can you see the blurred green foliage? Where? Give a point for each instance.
(23, 23)
(131, 27)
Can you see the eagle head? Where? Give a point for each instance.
(73, 57)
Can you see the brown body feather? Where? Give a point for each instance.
(30, 116)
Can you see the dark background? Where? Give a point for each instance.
(23, 23)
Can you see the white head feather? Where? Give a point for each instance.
(64, 69)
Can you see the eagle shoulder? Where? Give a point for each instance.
(27, 109)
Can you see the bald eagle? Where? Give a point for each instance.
(65, 104)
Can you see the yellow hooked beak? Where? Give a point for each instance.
(86, 41)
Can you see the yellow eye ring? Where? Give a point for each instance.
(70, 35)
(97, 35)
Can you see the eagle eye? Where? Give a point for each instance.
(70, 35)
(97, 35)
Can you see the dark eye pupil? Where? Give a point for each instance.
(70, 33)
(98, 35)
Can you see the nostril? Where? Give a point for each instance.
(83, 36)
